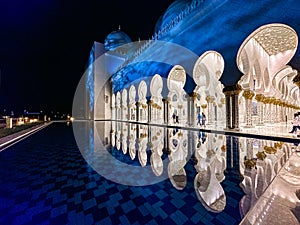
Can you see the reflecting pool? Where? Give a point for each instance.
(223, 176)
(128, 173)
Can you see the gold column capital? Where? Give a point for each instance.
(250, 163)
(296, 80)
(270, 150)
(232, 90)
(248, 94)
(261, 155)
(223, 100)
(277, 102)
(272, 100)
(193, 95)
(267, 100)
(223, 148)
(278, 144)
(210, 99)
(259, 97)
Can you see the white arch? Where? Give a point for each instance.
(156, 87)
(207, 72)
(131, 106)
(118, 106)
(177, 96)
(124, 105)
(142, 104)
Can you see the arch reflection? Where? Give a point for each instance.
(212, 161)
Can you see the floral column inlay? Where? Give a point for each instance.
(273, 110)
(210, 100)
(260, 108)
(192, 118)
(267, 101)
(248, 95)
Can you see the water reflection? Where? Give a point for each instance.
(132, 141)
(142, 144)
(139, 154)
(211, 163)
(178, 152)
(156, 146)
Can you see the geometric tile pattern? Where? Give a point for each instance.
(45, 180)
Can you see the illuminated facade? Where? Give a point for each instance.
(240, 69)
(235, 61)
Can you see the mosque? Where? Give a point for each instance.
(236, 62)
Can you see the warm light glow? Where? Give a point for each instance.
(20, 121)
(33, 120)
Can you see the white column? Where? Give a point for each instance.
(210, 112)
(232, 106)
(248, 95)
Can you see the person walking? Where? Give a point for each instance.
(296, 124)
(203, 117)
(174, 117)
(199, 119)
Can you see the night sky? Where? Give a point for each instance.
(45, 45)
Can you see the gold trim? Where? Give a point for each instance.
(223, 148)
(270, 150)
(232, 90)
(250, 163)
(261, 155)
(248, 94)
(259, 97)
(210, 99)
(223, 100)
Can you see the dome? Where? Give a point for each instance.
(172, 11)
(116, 39)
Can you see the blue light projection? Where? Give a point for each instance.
(219, 25)
(129, 74)
(116, 39)
(90, 78)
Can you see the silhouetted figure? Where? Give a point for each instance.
(203, 118)
(174, 117)
(296, 124)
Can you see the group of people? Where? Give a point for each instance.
(296, 124)
(201, 119)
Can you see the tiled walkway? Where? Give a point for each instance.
(45, 180)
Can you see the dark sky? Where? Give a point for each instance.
(45, 45)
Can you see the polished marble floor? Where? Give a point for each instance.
(47, 179)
